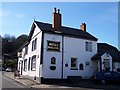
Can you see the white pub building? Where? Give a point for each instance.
(57, 52)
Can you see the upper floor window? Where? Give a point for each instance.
(26, 50)
(88, 46)
(74, 63)
(33, 63)
(34, 44)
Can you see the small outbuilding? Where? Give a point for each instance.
(107, 58)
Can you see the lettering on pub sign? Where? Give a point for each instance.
(53, 46)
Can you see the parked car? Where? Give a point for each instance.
(8, 69)
(103, 76)
(2, 69)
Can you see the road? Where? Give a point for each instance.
(10, 83)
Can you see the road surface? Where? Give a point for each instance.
(10, 83)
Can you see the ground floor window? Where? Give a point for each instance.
(81, 66)
(33, 63)
(107, 64)
(25, 65)
(53, 60)
(29, 64)
(74, 63)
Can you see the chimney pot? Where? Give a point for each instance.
(83, 27)
(55, 10)
(58, 11)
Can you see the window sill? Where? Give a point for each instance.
(54, 50)
(88, 51)
(33, 50)
(33, 70)
(73, 68)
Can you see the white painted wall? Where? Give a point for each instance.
(47, 73)
(37, 34)
(75, 47)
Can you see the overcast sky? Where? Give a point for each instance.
(101, 18)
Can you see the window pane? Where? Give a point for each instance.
(73, 62)
(29, 64)
(107, 63)
(25, 65)
(33, 63)
(32, 45)
(53, 60)
(81, 66)
(35, 45)
(26, 49)
(88, 46)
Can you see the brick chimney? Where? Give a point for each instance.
(56, 20)
(83, 27)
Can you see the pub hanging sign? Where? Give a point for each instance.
(53, 46)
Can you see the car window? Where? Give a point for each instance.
(107, 73)
(115, 74)
(100, 73)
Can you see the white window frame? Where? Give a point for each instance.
(33, 63)
(34, 44)
(25, 65)
(107, 63)
(53, 61)
(81, 66)
(29, 62)
(88, 46)
(76, 64)
(26, 50)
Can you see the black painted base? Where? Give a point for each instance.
(53, 81)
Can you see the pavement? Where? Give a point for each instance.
(31, 83)
(22, 79)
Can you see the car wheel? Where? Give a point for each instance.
(103, 81)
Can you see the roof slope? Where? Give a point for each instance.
(103, 47)
(45, 27)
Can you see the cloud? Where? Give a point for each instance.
(4, 13)
(20, 15)
(111, 15)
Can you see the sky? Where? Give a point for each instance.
(101, 18)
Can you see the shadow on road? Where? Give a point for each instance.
(86, 84)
